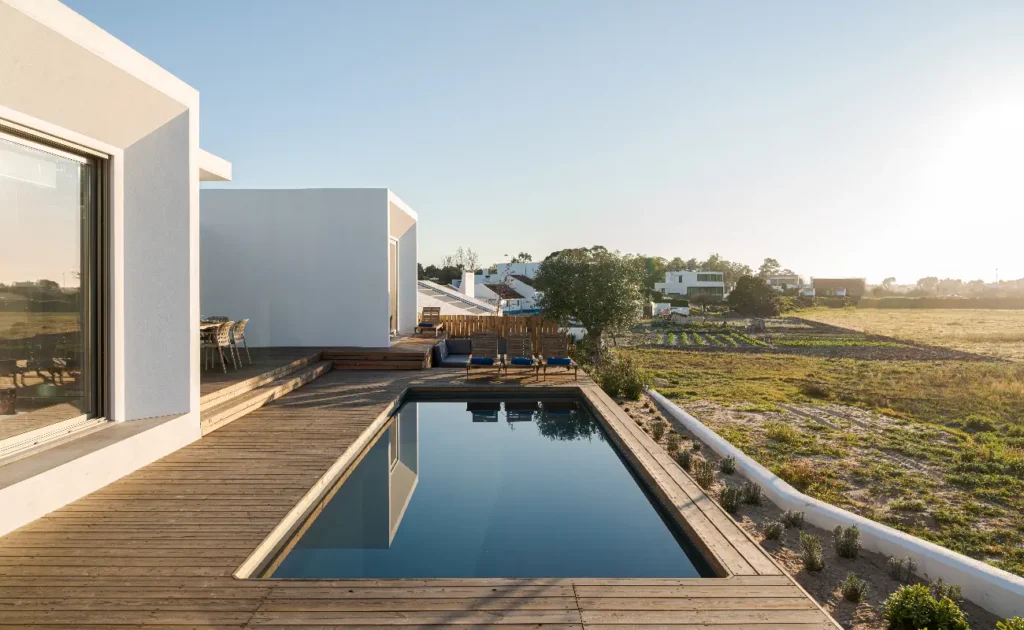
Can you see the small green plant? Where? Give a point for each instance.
(810, 552)
(1014, 623)
(815, 390)
(853, 588)
(684, 459)
(695, 446)
(772, 530)
(780, 432)
(657, 430)
(847, 541)
(752, 494)
(731, 498)
(913, 607)
(902, 569)
(703, 472)
(672, 443)
(801, 474)
(727, 465)
(792, 518)
(940, 589)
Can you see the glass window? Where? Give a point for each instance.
(47, 284)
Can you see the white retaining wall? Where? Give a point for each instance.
(993, 589)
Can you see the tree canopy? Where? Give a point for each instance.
(770, 267)
(522, 257)
(754, 297)
(602, 290)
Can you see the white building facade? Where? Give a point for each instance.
(688, 284)
(508, 286)
(316, 267)
(100, 167)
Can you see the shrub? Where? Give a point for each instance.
(940, 589)
(772, 530)
(792, 518)
(753, 296)
(731, 498)
(810, 552)
(621, 376)
(815, 390)
(684, 458)
(978, 424)
(913, 607)
(847, 541)
(672, 443)
(780, 432)
(695, 446)
(902, 569)
(752, 494)
(1015, 623)
(703, 472)
(657, 429)
(728, 465)
(854, 589)
(800, 474)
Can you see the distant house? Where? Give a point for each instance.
(839, 287)
(451, 301)
(692, 283)
(783, 282)
(508, 285)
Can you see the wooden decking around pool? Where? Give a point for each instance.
(159, 547)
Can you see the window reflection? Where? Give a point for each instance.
(46, 213)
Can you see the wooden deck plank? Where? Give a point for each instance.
(158, 548)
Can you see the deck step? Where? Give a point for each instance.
(236, 389)
(393, 358)
(227, 411)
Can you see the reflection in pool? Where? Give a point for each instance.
(491, 489)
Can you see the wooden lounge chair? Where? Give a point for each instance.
(430, 320)
(519, 352)
(484, 352)
(554, 350)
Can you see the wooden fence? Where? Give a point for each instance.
(466, 325)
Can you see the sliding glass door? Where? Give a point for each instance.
(49, 306)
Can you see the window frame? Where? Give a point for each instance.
(95, 253)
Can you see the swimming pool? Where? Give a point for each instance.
(489, 488)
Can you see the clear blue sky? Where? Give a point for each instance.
(843, 138)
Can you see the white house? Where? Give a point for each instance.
(100, 167)
(783, 282)
(692, 283)
(311, 267)
(508, 285)
(451, 301)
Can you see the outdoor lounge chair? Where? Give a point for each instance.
(484, 352)
(519, 352)
(430, 320)
(554, 351)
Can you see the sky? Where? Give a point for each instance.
(867, 139)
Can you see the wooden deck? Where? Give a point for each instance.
(159, 547)
(264, 361)
(404, 353)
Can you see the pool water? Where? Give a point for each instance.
(491, 489)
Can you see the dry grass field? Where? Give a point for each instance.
(995, 333)
(934, 448)
(16, 325)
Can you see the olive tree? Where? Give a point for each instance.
(604, 291)
(753, 296)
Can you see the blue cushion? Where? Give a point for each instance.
(481, 361)
(522, 361)
(427, 325)
(559, 361)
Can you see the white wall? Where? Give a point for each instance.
(308, 267)
(157, 317)
(408, 273)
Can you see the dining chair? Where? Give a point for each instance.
(219, 340)
(238, 337)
